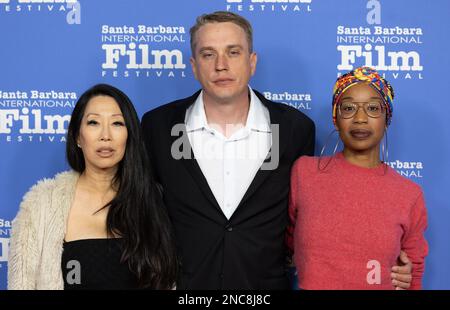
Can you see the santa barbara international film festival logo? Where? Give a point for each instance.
(144, 51)
(391, 50)
(269, 6)
(35, 116)
(70, 8)
(5, 232)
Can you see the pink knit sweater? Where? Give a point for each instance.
(348, 225)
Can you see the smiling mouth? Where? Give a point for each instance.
(360, 134)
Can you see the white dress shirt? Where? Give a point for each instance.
(229, 164)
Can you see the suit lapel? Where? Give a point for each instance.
(276, 118)
(191, 164)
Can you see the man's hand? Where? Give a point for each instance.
(402, 274)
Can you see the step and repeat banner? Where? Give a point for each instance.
(53, 50)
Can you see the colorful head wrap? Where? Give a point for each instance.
(364, 75)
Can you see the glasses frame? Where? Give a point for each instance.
(365, 105)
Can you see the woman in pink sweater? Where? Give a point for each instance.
(351, 214)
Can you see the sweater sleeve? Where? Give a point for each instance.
(292, 208)
(414, 243)
(23, 253)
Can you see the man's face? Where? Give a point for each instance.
(222, 62)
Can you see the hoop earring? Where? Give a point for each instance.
(325, 146)
(385, 151)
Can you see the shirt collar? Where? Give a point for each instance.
(258, 118)
(195, 115)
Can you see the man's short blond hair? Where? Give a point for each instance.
(222, 17)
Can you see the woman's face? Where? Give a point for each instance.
(103, 134)
(361, 133)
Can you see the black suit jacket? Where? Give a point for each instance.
(247, 251)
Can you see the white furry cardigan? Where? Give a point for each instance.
(38, 232)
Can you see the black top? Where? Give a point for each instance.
(95, 264)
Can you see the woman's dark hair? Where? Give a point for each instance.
(137, 212)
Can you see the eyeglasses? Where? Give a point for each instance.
(372, 109)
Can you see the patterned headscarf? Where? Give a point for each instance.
(364, 75)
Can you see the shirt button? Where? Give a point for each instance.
(228, 172)
(229, 227)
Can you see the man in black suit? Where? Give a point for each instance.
(223, 157)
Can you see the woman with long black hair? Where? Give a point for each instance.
(101, 225)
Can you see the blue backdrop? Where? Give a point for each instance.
(51, 52)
